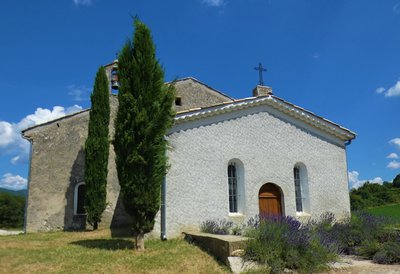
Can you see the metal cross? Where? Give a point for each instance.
(260, 71)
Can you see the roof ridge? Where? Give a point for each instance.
(202, 83)
(55, 120)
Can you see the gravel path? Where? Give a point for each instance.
(352, 265)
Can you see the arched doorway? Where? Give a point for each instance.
(270, 200)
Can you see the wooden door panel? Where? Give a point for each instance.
(270, 200)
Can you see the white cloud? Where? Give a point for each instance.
(73, 109)
(79, 93)
(41, 116)
(83, 2)
(393, 156)
(13, 182)
(395, 142)
(11, 141)
(380, 90)
(393, 91)
(214, 3)
(393, 165)
(7, 134)
(355, 182)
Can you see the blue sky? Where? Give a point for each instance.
(338, 59)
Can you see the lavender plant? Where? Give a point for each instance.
(218, 226)
(284, 242)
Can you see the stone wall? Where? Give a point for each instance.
(195, 94)
(57, 166)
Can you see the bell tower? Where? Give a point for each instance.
(112, 76)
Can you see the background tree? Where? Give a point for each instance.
(96, 150)
(396, 181)
(144, 115)
(372, 195)
(12, 210)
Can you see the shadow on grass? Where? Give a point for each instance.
(107, 244)
(218, 259)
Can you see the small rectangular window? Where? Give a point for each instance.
(178, 101)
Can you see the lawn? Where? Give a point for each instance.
(391, 211)
(97, 252)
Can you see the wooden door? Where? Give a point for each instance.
(269, 200)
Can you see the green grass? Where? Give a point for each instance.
(97, 252)
(390, 211)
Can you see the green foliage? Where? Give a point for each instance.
(97, 150)
(285, 243)
(389, 253)
(144, 115)
(371, 195)
(12, 210)
(389, 211)
(363, 234)
(368, 248)
(396, 181)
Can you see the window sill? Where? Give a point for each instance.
(303, 214)
(235, 214)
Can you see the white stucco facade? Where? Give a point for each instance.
(269, 144)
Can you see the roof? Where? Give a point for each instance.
(201, 83)
(275, 102)
(55, 120)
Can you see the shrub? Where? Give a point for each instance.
(388, 254)
(237, 229)
(349, 236)
(218, 226)
(368, 248)
(329, 232)
(283, 242)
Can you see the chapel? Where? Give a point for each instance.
(228, 159)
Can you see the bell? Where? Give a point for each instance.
(114, 85)
(114, 79)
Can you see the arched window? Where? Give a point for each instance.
(235, 186)
(79, 199)
(301, 188)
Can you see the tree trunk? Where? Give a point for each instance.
(140, 241)
(95, 225)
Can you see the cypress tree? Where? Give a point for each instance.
(96, 150)
(144, 115)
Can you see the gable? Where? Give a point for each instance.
(194, 94)
(273, 105)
